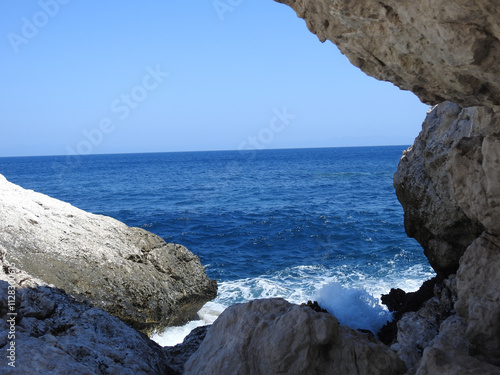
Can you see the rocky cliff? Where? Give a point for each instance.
(128, 272)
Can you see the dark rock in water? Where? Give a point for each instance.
(400, 302)
(178, 355)
(314, 305)
(54, 334)
(128, 272)
(394, 300)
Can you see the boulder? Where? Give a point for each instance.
(479, 297)
(448, 352)
(45, 331)
(436, 361)
(272, 336)
(128, 272)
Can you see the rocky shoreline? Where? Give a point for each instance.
(128, 272)
(448, 183)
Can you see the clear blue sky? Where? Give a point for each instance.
(152, 76)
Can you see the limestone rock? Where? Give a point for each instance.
(436, 361)
(438, 50)
(479, 297)
(416, 330)
(128, 272)
(275, 337)
(54, 334)
(474, 167)
(452, 335)
(433, 216)
(448, 352)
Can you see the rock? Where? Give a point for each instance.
(315, 306)
(400, 302)
(275, 337)
(474, 167)
(437, 50)
(479, 297)
(54, 334)
(128, 272)
(426, 191)
(448, 352)
(178, 355)
(416, 330)
(436, 361)
(452, 335)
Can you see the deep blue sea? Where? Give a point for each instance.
(299, 224)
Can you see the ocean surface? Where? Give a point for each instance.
(302, 224)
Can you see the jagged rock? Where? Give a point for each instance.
(129, 272)
(478, 302)
(275, 337)
(54, 334)
(436, 361)
(424, 187)
(448, 352)
(417, 329)
(474, 167)
(438, 50)
(452, 335)
(418, 317)
(400, 302)
(178, 355)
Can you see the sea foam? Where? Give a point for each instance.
(353, 297)
(353, 307)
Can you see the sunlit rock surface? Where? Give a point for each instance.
(128, 272)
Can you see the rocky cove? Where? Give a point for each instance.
(448, 183)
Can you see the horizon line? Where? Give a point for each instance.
(193, 151)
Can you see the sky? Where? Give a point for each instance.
(95, 77)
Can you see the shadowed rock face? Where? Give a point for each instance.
(434, 215)
(438, 50)
(54, 334)
(128, 272)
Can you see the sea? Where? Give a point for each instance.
(318, 224)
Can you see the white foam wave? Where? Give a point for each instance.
(303, 283)
(353, 307)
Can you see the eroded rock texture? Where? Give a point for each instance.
(54, 334)
(438, 50)
(128, 272)
(434, 215)
(275, 337)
